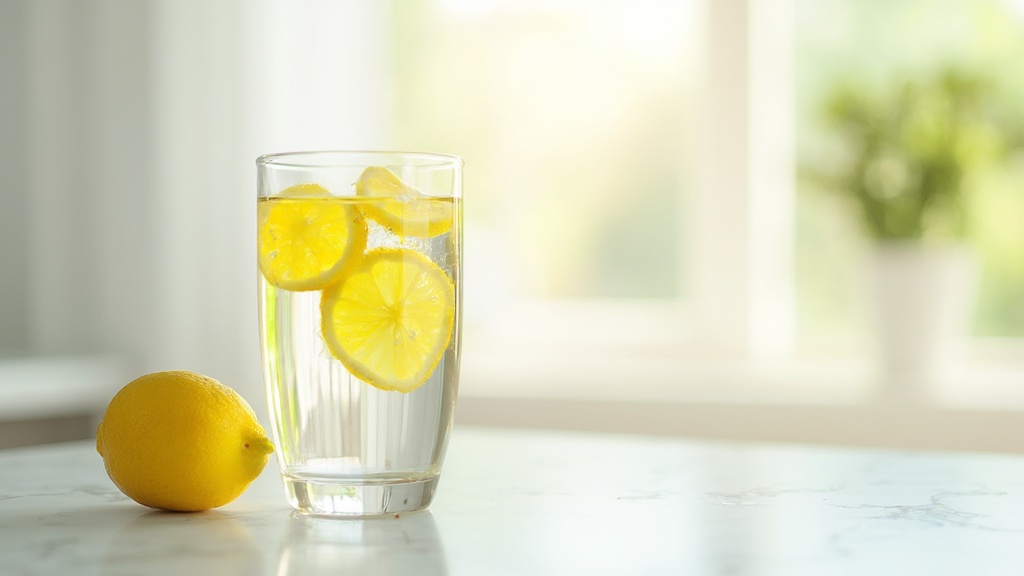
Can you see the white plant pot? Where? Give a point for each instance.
(924, 297)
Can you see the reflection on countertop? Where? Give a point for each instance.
(542, 502)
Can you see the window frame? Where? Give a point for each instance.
(734, 336)
(738, 237)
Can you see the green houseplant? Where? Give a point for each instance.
(907, 156)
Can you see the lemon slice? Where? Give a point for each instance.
(390, 320)
(403, 209)
(305, 242)
(304, 190)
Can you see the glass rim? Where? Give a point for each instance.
(341, 158)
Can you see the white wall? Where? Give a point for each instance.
(127, 149)
(14, 202)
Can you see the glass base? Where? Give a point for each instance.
(354, 500)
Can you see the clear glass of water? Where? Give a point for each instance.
(360, 259)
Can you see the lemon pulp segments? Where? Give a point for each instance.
(390, 319)
(403, 209)
(306, 243)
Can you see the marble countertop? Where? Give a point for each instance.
(539, 502)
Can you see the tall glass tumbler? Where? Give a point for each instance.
(360, 260)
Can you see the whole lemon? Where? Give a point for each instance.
(181, 441)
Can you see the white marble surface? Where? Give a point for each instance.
(535, 502)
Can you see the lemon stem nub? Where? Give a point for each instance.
(260, 446)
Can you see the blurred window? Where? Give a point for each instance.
(875, 48)
(572, 119)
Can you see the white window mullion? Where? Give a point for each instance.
(720, 206)
(743, 206)
(771, 182)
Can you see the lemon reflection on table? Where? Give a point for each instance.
(384, 546)
(209, 542)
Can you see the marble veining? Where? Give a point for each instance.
(760, 496)
(939, 510)
(536, 502)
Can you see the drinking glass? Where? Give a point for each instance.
(360, 260)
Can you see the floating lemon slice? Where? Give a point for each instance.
(390, 319)
(306, 239)
(403, 209)
(304, 190)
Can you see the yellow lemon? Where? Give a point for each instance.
(390, 320)
(403, 209)
(181, 441)
(307, 238)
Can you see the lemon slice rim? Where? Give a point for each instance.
(303, 190)
(332, 296)
(355, 241)
(398, 193)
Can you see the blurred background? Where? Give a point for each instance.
(673, 209)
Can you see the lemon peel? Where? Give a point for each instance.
(181, 441)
